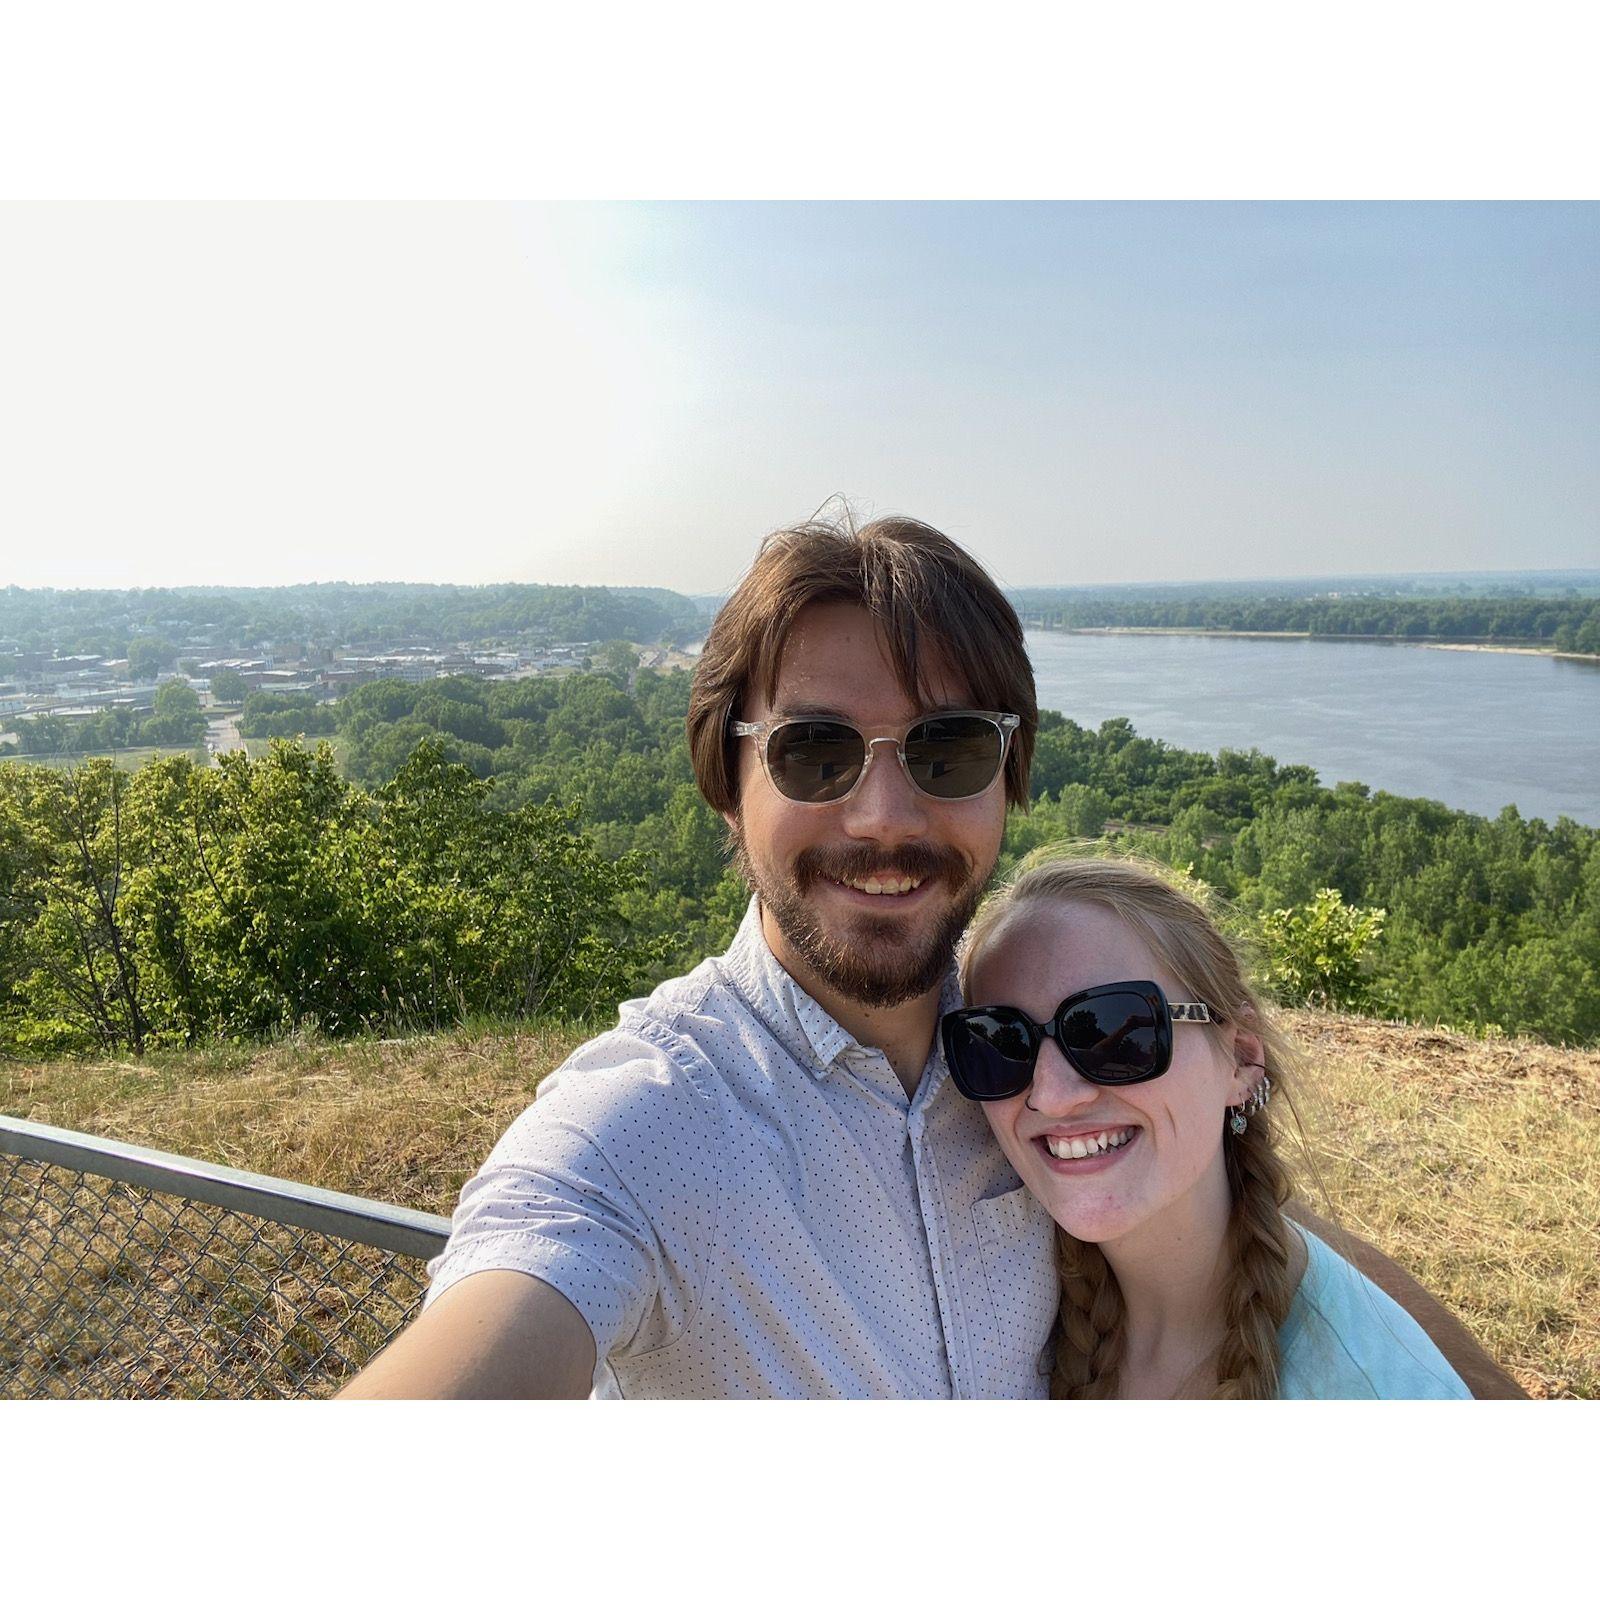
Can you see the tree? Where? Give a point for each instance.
(618, 660)
(267, 896)
(149, 655)
(506, 912)
(228, 686)
(282, 716)
(70, 851)
(457, 715)
(177, 718)
(39, 736)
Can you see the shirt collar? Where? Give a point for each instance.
(805, 1028)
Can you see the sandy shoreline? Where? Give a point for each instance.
(1353, 638)
(1516, 650)
(1194, 633)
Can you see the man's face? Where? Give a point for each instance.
(815, 866)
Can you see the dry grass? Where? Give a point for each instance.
(405, 1120)
(1475, 1164)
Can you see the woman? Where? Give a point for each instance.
(1126, 1066)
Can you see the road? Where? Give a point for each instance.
(222, 734)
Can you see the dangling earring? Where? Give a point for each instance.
(1259, 1096)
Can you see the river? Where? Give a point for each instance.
(1479, 730)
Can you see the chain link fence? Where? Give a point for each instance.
(128, 1273)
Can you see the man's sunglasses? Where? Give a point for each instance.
(1115, 1033)
(953, 755)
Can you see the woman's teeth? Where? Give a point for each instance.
(1095, 1144)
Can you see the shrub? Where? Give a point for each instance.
(1318, 954)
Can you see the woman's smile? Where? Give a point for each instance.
(1077, 1154)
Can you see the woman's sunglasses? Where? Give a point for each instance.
(1115, 1033)
(954, 755)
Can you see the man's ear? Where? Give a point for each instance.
(735, 772)
(1249, 1057)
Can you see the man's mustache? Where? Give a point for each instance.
(841, 863)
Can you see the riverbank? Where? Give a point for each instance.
(1174, 633)
(1515, 650)
(1353, 638)
(1474, 1163)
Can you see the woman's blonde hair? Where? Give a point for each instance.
(1181, 923)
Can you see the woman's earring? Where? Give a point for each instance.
(1259, 1096)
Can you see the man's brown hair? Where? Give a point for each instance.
(922, 588)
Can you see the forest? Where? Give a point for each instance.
(420, 853)
(1567, 624)
(173, 623)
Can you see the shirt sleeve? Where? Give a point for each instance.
(1351, 1341)
(607, 1188)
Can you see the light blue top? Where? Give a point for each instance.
(1345, 1339)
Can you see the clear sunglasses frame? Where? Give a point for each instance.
(1005, 722)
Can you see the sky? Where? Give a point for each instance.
(1079, 392)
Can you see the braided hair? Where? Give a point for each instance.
(1179, 921)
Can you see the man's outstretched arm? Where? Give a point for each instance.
(492, 1336)
(1477, 1368)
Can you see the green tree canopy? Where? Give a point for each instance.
(228, 686)
(149, 655)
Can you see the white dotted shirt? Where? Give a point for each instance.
(741, 1203)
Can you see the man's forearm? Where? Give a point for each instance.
(1481, 1373)
(492, 1336)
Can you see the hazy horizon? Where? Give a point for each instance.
(1266, 580)
(1081, 393)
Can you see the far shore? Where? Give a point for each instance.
(1517, 650)
(1354, 638)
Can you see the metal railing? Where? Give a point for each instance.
(128, 1273)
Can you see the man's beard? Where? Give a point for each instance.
(871, 961)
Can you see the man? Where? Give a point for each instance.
(762, 1182)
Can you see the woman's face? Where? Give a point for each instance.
(1171, 1128)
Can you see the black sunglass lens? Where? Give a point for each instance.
(1112, 1038)
(953, 758)
(815, 760)
(990, 1053)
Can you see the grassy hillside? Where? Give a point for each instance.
(129, 760)
(1475, 1163)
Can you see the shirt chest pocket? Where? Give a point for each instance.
(1016, 1241)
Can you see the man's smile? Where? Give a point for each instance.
(884, 883)
(881, 891)
(896, 876)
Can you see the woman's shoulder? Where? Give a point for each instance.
(1345, 1339)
